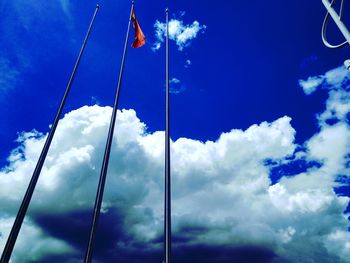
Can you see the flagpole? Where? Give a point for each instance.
(103, 174)
(167, 192)
(6, 255)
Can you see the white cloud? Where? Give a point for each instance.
(338, 106)
(221, 186)
(33, 244)
(333, 79)
(310, 85)
(336, 77)
(188, 63)
(175, 80)
(180, 33)
(338, 103)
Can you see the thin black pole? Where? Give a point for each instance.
(167, 192)
(6, 255)
(103, 174)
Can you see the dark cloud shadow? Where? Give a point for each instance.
(113, 243)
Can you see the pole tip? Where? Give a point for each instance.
(132, 2)
(166, 10)
(97, 6)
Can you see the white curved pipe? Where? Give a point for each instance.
(337, 20)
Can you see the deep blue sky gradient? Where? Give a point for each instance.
(245, 67)
(245, 70)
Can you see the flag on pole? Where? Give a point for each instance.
(139, 41)
(140, 38)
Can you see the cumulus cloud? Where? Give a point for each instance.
(337, 78)
(33, 244)
(338, 106)
(179, 32)
(310, 85)
(337, 81)
(223, 197)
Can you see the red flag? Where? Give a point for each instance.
(140, 38)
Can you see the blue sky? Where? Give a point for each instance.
(260, 115)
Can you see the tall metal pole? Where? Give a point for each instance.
(167, 192)
(6, 255)
(104, 169)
